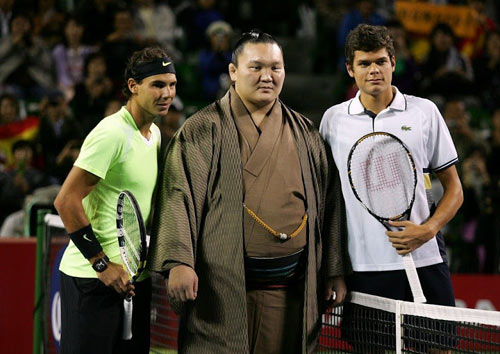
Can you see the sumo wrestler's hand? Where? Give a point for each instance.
(182, 283)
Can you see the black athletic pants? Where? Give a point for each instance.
(92, 317)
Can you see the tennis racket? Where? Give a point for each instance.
(383, 178)
(133, 243)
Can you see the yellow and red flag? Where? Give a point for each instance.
(25, 129)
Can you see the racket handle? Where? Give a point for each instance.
(127, 318)
(412, 275)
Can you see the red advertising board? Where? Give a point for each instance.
(477, 291)
(17, 293)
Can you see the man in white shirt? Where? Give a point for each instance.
(375, 253)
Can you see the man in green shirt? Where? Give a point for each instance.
(119, 153)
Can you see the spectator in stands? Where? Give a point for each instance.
(195, 19)
(93, 94)
(470, 226)
(215, 59)
(272, 16)
(13, 128)
(65, 160)
(57, 129)
(100, 14)
(458, 121)
(9, 109)
(22, 223)
(26, 65)
(156, 22)
(363, 11)
(112, 106)
(120, 43)
(487, 72)
(69, 57)
(5, 16)
(493, 165)
(475, 173)
(19, 180)
(445, 70)
(329, 15)
(48, 21)
(474, 229)
(473, 46)
(406, 75)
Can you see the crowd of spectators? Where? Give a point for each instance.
(61, 66)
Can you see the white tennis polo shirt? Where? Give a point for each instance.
(418, 123)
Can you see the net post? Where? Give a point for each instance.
(398, 336)
(39, 267)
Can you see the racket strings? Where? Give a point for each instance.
(132, 237)
(382, 175)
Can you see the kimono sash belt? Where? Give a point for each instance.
(268, 273)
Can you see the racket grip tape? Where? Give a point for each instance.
(412, 275)
(127, 318)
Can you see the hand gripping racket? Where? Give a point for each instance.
(133, 243)
(383, 178)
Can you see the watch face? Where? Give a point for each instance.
(100, 265)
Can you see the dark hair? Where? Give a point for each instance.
(491, 33)
(78, 22)
(22, 14)
(368, 38)
(442, 27)
(22, 144)
(254, 36)
(394, 23)
(145, 55)
(91, 57)
(12, 98)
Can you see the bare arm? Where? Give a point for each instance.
(68, 203)
(413, 236)
(450, 202)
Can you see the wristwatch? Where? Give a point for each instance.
(100, 264)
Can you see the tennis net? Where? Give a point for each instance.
(372, 324)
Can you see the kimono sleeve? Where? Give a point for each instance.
(334, 232)
(181, 196)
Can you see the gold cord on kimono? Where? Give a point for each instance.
(282, 236)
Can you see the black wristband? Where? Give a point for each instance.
(85, 240)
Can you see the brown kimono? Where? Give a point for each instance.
(272, 181)
(199, 222)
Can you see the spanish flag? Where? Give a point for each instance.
(25, 129)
